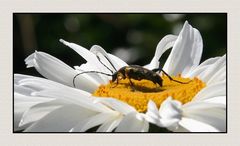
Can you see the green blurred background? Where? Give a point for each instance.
(132, 37)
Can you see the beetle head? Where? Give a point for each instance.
(114, 77)
(117, 76)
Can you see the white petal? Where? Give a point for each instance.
(180, 129)
(61, 120)
(117, 60)
(89, 56)
(131, 123)
(208, 113)
(170, 109)
(186, 52)
(23, 99)
(19, 109)
(49, 89)
(165, 44)
(209, 61)
(54, 69)
(23, 90)
(219, 76)
(152, 114)
(117, 63)
(18, 88)
(37, 84)
(17, 128)
(86, 54)
(108, 65)
(93, 121)
(195, 126)
(196, 72)
(21, 104)
(204, 65)
(43, 62)
(110, 125)
(20, 98)
(62, 88)
(170, 113)
(218, 89)
(217, 99)
(200, 105)
(72, 97)
(18, 77)
(117, 105)
(88, 67)
(38, 111)
(211, 70)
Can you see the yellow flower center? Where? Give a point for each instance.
(146, 90)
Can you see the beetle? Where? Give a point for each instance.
(138, 73)
(132, 72)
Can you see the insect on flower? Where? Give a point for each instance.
(132, 72)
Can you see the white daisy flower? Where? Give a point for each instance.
(65, 102)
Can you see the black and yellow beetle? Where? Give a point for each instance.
(135, 72)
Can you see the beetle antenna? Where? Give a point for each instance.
(88, 72)
(108, 61)
(104, 64)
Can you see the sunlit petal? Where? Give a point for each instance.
(202, 67)
(109, 60)
(217, 99)
(170, 113)
(186, 52)
(72, 97)
(152, 114)
(211, 70)
(165, 44)
(39, 110)
(195, 126)
(110, 125)
(88, 67)
(218, 89)
(60, 120)
(219, 76)
(137, 124)
(209, 113)
(54, 69)
(21, 104)
(93, 121)
(116, 105)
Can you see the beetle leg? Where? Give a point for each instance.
(132, 85)
(116, 84)
(160, 69)
(175, 80)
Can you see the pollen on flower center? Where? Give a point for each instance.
(146, 90)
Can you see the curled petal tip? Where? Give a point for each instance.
(62, 41)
